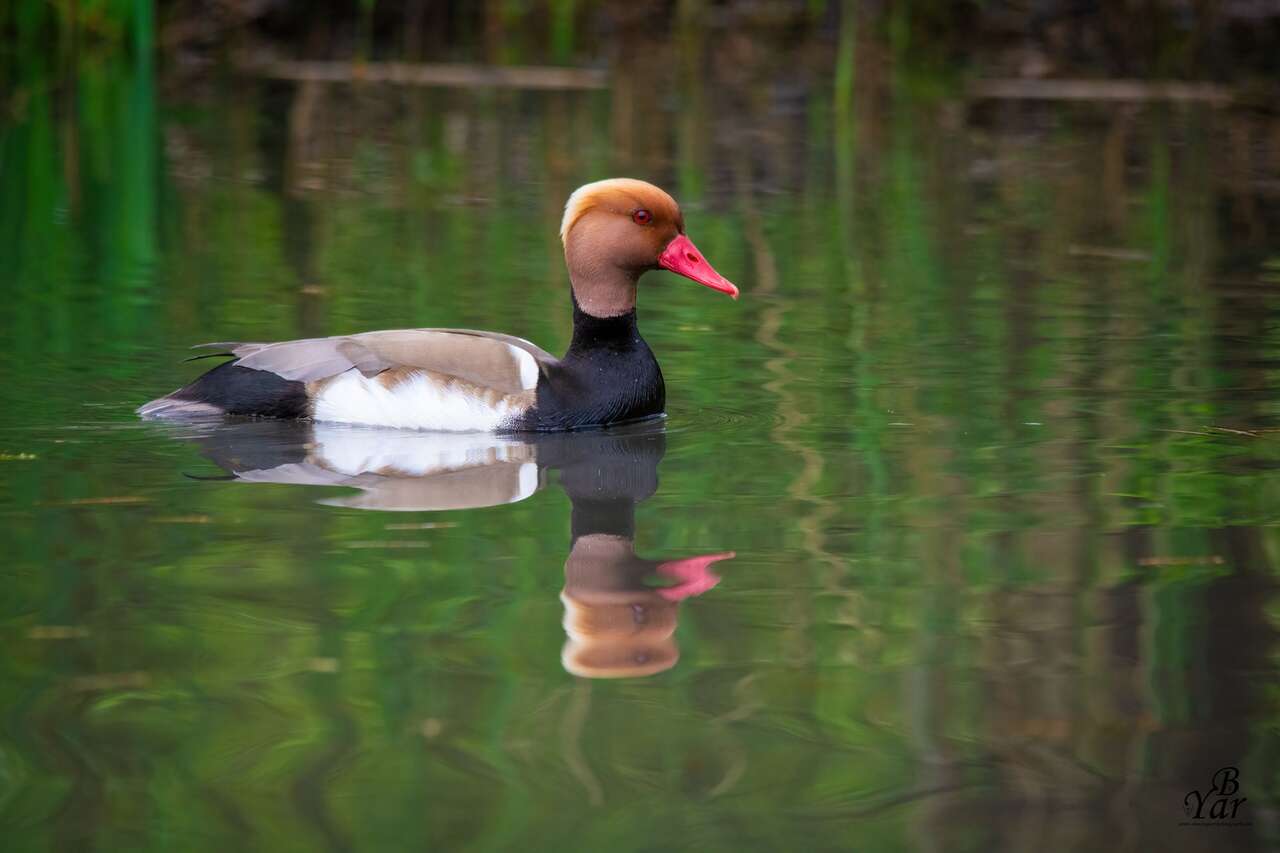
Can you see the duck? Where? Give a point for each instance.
(460, 380)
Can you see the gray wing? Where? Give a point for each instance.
(488, 359)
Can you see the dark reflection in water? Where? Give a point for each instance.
(620, 609)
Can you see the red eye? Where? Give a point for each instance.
(642, 217)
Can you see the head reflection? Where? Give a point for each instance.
(620, 609)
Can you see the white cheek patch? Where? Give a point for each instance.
(418, 402)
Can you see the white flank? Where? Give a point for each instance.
(415, 403)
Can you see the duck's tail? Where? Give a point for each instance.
(229, 389)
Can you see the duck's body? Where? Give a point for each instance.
(435, 379)
(459, 380)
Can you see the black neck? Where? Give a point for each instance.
(615, 516)
(593, 333)
(607, 375)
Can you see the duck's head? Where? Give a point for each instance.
(615, 230)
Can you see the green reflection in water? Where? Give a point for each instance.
(990, 432)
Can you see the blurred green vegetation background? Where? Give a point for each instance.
(993, 429)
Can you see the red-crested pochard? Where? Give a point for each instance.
(460, 380)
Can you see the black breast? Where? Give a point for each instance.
(608, 375)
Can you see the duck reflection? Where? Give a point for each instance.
(620, 609)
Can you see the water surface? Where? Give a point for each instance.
(992, 434)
